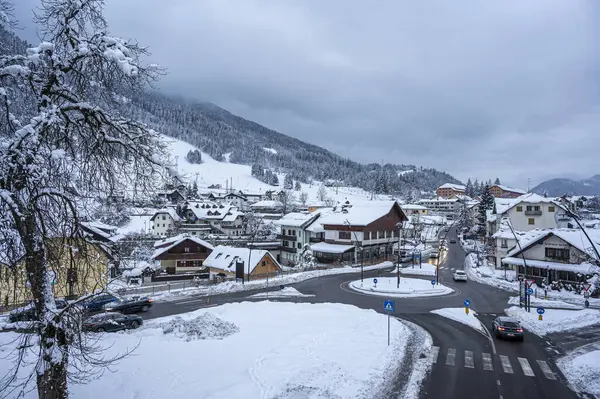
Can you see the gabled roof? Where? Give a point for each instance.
(362, 214)
(574, 237)
(414, 207)
(165, 245)
(170, 211)
(267, 204)
(297, 219)
(510, 189)
(456, 187)
(213, 211)
(101, 231)
(224, 258)
(502, 205)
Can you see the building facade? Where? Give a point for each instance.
(448, 190)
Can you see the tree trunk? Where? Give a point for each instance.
(52, 364)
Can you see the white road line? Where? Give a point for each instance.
(190, 301)
(435, 354)
(450, 357)
(546, 370)
(487, 362)
(526, 367)
(506, 364)
(469, 359)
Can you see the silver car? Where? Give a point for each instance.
(459, 275)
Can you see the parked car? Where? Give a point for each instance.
(434, 254)
(452, 241)
(129, 305)
(111, 321)
(27, 313)
(507, 327)
(459, 275)
(97, 303)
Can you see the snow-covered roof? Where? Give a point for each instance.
(512, 190)
(456, 187)
(504, 204)
(105, 231)
(267, 204)
(169, 211)
(208, 210)
(414, 207)
(583, 268)
(358, 215)
(574, 237)
(224, 258)
(297, 219)
(330, 248)
(165, 245)
(438, 199)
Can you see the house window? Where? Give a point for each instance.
(531, 221)
(163, 225)
(344, 235)
(263, 263)
(562, 254)
(186, 249)
(519, 208)
(536, 208)
(529, 208)
(504, 243)
(285, 243)
(299, 246)
(551, 209)
(164, 217)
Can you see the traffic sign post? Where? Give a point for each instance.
(467, 303)
(432, 283)
(375, 282)
(540, 312)
(529, 291)
(389, 306)
(586, 287)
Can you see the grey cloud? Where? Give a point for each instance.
(478, 89)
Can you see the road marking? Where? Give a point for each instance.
(506, 364)
(546, 370)
(487, 362)
(191, 301)
(435, 354)
(469, 359)
(526, 367)
(450, 357)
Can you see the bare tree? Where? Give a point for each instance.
(62, 144)
(303, 198)
(287, 198)
(322, 193)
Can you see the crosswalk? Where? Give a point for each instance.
(486, 362)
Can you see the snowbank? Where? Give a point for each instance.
(233, 286)
(205, 326)
(409, 287)
(287, 292)
(535, 302)
(426, 269)
(582, 369)
(554, 320)
(283, 350)
(459, 315)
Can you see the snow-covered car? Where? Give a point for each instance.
(459, 275)
(112, 322)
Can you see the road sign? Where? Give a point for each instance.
(374, 281)
(541, 310)
(467, 303)
(540, 318)
(389, 306)
(586, 295)
(529, 291)
(433, 282)
(529, 283)
(586, 287)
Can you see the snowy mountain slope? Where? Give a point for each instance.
(557, 187)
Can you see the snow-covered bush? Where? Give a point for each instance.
(205, 326)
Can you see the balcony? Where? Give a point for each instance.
(286, 238)
(533, 213)
(287, 249)
(316, 239)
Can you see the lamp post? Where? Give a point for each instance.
(347, 222)
(399, 225)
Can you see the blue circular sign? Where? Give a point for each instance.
(467, 303)
(375, 280)
(432, 282)
(541, 310)
(529, 291)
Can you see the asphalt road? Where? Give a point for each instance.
(466, 363)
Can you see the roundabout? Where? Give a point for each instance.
(409, 287)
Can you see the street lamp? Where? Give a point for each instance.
(399, 225)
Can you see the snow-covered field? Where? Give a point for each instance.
(582, 368)
(409, 287)
(232, 286)
(251, 350)
(287, 292)
(426, 269)
(554, 320)
(459, 315)
(211, 172)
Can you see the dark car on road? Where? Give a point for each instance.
(97, 303)
(129, 305)
(27, 313)
(111, 321)
(507, 327)
(452, 241)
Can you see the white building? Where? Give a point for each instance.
(268, 209)
(221, 218)
(164, 221)
(448, 207)
(414, 209)
(296, 234)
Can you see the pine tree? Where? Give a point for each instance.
(469, 190)
(497, 181)
(476, 188)
(486, 203)
(288, 182)
(297, 186)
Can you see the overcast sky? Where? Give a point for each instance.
(475, 88)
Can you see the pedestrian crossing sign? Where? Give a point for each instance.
(389, 306)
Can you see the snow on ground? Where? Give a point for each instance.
(459, 315)
(254, 350)
(136, 224)
(582, 369)
(554, 320)
(544, 303)
(211, 172)
(287, 292)
(271, 150)
(233, 286)
(426, 269)
(409, 287)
